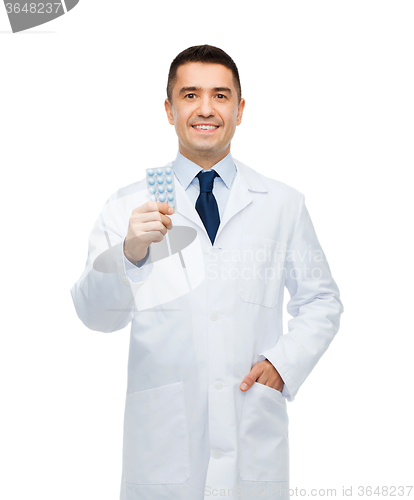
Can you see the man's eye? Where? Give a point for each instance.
(221, 96)
(188, 95)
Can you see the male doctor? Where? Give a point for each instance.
(209, 368)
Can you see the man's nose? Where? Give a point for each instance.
(205, 107)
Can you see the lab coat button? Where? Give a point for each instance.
(214, 316)
(125, 280)
(217, 454)
(218, 385)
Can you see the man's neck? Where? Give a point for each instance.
(206, 160)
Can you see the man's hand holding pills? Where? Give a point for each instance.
(147, 224)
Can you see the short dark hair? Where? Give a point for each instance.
(204, 54)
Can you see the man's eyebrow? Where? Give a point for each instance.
(193, 89)
(222, 89)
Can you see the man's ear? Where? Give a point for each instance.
(240, 111)
(168, 110)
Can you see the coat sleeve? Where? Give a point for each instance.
(314, 304)
(104, 294)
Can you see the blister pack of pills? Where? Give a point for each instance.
(160, 183)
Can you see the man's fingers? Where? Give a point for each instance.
(253, 375)
(155, 210)
(263, 373)
(152, 206)
(248, 381)
(155, 216)
(165, 208)
(166, 220)
(154, 225)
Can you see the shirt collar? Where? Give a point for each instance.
(185, 170)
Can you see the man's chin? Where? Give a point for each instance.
(203, 147)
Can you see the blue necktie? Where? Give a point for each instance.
(206, 204)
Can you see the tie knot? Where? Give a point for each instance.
(207, 180)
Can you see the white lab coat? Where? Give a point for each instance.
(200, 319)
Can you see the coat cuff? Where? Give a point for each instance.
(138, 272)
(278, 364)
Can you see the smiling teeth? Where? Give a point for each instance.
(205, 127)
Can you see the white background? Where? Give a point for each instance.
(329, 110)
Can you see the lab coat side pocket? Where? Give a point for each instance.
(263, 435)
(156, 442)
(261, 269)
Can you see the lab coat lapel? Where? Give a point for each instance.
(185, 207)
(240, 197)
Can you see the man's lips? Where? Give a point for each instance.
(210, 127)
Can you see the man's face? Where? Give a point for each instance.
(204, 95)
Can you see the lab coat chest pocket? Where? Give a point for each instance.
(156, 444)
(261, 269)
(263, 435)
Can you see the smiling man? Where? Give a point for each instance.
(210, 369)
